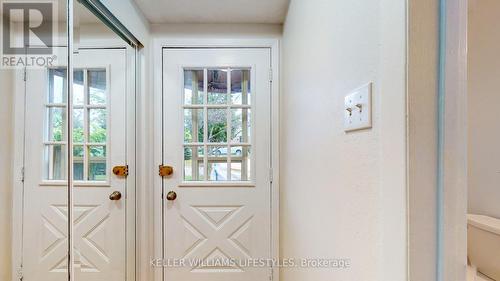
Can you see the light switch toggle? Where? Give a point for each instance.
(349, 110)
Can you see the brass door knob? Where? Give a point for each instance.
(171, 196)
(115, 196)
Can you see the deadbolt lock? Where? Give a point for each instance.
(121, 171)
(166, 170)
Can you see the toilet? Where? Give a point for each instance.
(483, 244)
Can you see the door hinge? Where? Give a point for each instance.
(24, 74)
(165, 170)
(22, 174)
(271, 175)
(270, 75)
(271, 274)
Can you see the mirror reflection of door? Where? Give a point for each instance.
(99, 108)
(216, 138)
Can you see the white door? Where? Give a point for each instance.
(216, 132)
(99, 144)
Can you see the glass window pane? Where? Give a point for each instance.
(78, 162)
(217, 163)
(97, 151)
(217, 125)
(241, 125)
(193, 125)
(194, 167)
(193, 87)
(78, 132)
(78, 88)
(217, 86)
(97, 163)
(57, 90)
(240, 163)
(78, 151)
(97, 87)
(240, 87)
(55, 162)
(56, 120)
(78, 170)
(97, 125)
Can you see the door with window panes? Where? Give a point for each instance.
(216, 137)
(99, 114)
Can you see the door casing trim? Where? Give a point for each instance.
(452, 135)
(159, 44)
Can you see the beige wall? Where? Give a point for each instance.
(483, 112)
(343, 195)
(6, 111)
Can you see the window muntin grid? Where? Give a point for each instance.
(217, 124)
(90, 126)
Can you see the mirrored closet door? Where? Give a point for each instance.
(74, 207)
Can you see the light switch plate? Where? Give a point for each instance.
(358, 109)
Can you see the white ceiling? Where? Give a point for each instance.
(214, 11)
